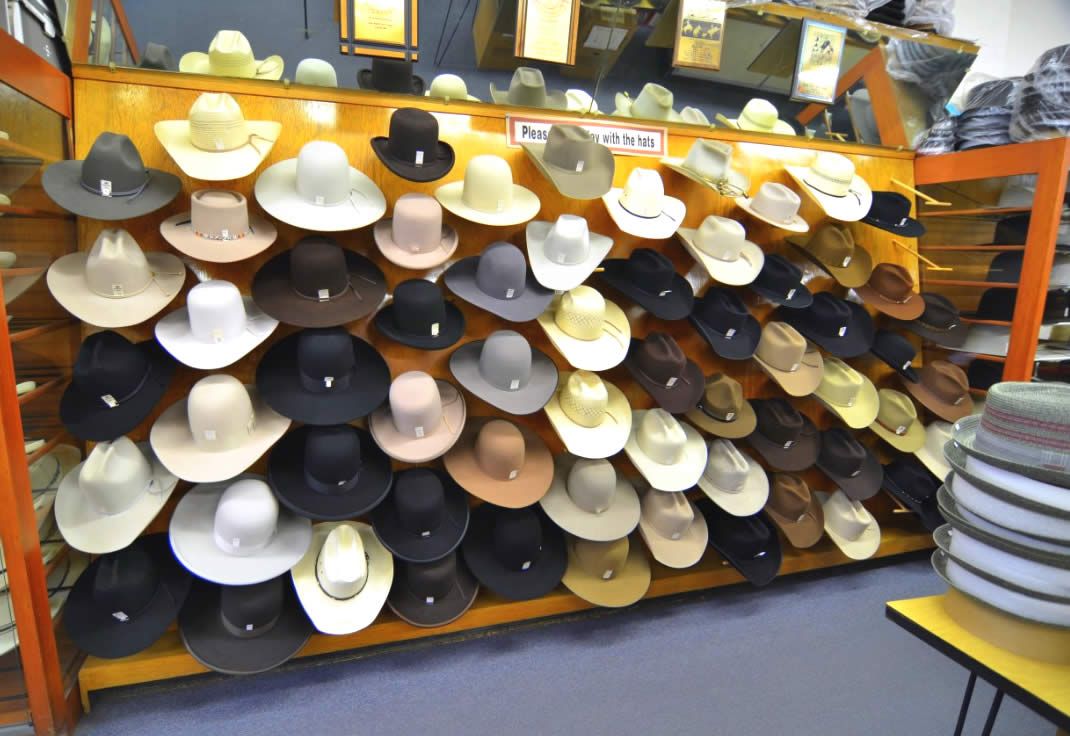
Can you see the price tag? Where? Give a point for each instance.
(671, 382)
(105, 188)
(425, 534)
(419, 158)
(117, 290)
(730, 334)
(225, 234)
(846, 262)
(664, 293)
(509, 293)
(579, 167)
(607, 575)
(323, 295)
(514, 384)
(900, 430)
(729, 416)
(526, 565)
(328, 381)
(429, 600)
(791, 293)
(513, 474)
(209, 434)
(109, 401)
(434, 329)
(788, 444)
(419, 432)
(319, 199)
(120, 616)
(842, 331)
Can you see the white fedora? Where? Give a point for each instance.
(760, 116)
(115, 284)
(233, 532)
(215, 142)
(487, 194)
(734, 481)
(564, 253)
(777, 205)
(316, 72)
(319, 191)
(654, 102)
(720, 245)
(674, 530)
(642, 208)
(709, 163)
(344, 577)
(449, 87)
(216, 432)
(104, 503)
(670, 454)
(231, 55)
(591, 416)
(831, 181)
(592, 333)
(218, 228)
(850, 525)
(217, 327)
(931, 454)
(591, 500)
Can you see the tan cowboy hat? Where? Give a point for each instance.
(795, 510)
(218, 228)
(421, 419)
(591, 332)
(610, 574)
(723, 411)
(591, 416)
(673, 528)
(848, 394)
(231, 55)
(760, 116)
(789, 359)
(591, 500)
(734, 481)
(500, 462)
(897, 421)
(833, 247)
(487, 194)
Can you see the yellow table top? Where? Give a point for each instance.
(1047, 683)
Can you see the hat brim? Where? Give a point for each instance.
(600, 354)
(759, 570)
(935, 462)
(952, 338)
(593, 443)
(906, 371)
(659, 227)
(460, 278)
(198, 62)
(334, 616)
(97, 631)
(558, 276)
(619, 519)
(59, 583)
(443, 539)
(736, 180)
(739, 272)
(863, 486)
(279, 381)
(685, 393)
(591, 182)
(173, 443)
(800, 456)
(803, 381)
(681, 553)
(384, 238)
(93, 531)
(89, 418)
(555, 99)
(67, 281)
(804, 532)
(745, 502)
(976, 504)
(853, 276)
(528, 399)
(911, 440)
(851, 207)
(205, 637)
(178, 231)
(801, 299)
(946, 410)
(16, 286)
(540, 578)
(862, 413)
(857, 340)
(741, 425)
(740, 346)
(795, 225)
(62, 182)
(780, 127)
(626, 587)
(676, 304)
(523, 206)
(286, 476)
(364, 81)
(861, 548)
(910, 228)
(434, 167)
(468, 97)
(681, 475)
(443, 610)
(174, 334)
(964, 436)
(276, 191)
(192, 533)
(274, 294)
(197, 163)
(435, 442)
(531, 482)
(927, 512)
(449, 331)
(912, 308)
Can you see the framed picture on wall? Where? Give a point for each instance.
(546, 30)
(699, 34)
(817, 68)
(387, 28)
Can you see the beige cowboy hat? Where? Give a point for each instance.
(673, 528)
(487, 194)
(591, 416)
(421, 419)
(219, 228)
(610, 574)
(591, 500)
(848, 394)
(897, 421)
(669, 454)
(592, 333)
(789, 359)
(231, 55)
(760, 116)
(850, 525)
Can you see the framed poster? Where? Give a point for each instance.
(546, 30)
(818, 67)
(379, 28)
(699, 34)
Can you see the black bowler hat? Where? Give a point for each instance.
(983, 373)
(722, 318)
(243, 629)
(419, 316)
(911, 483)
(431, 594)
(780, 281)
(517, 553)
(114, 385)
(843, 328)
(413, 150)
(849, 464)
(157, 56)
(126, 600)
(318, 284)
(323, 376)
(786, 438)
(391, 75)
(998, 304)
(425, 516)
(940, 323)
(648, 278)
(891, 211)
(748, 543)
(896, 351)
(329, 473)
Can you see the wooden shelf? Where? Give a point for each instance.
(168, 658)
(11, 148)
(972, 248)
(978, 284)
(17, 211)
(44, 388)
(993, 322)
(20, 330)
(976, 212)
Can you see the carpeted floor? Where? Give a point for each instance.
(810, 655)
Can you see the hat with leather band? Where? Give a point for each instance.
(843, 328)
(834, 249)
(648, 278)
(943, 389)
(780, 282)
(591, 500)
(849, 525)
(421, 419)
(709, 163)
(574, 161)
(429, 594)
(660, 366)
(849, 464)
(910, 483)
(795, 510)
(218, 228)
(413, 149)
(722, 318)
(499, 281)
(940, 322)
(789, 359)
(425, 516)
(896, 351)
(723, 411)
(591, 416)
(418, 316)
(609, 574)
(848, 394)
(831, 181)
(506, 372)
(748, 543)
(642, 208)
(734, 481)
(890, 290)
(565, 252)
(784, 437)
(519, 554)
(591, 332)
(669, 454)
(897, 421)
(720, 246)
(415, 236)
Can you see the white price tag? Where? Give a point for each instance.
(429, 600)
(434, 329)
(225, 234)
(509, 293)
(248, 627)
(729, 416)
(419, 158)
(318, 199)
(120, 616)
(109, 401)
(209, 434)
(425, 534)
(105, 188)
(579, 167)
(664, 293)
(730, 334)
(514, 384)
(117, 290)
(842, 331)
(328, 381)
(788, 444)
(671, 382)
(900, 430)
(607, 575)
(513, 474)
(419, 432)
(526, 565)
(791, 293)
(323, 295)
(846, 262)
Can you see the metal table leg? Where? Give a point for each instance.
(966, 697)
(993, 711)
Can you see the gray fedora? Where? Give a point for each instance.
(499, 281)
(505, 371)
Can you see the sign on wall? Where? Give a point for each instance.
(623, 138)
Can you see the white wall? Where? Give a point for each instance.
(1012, 33)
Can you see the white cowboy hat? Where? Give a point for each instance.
(733, 481)
(487, 194)
(760, 116)
(231, 55)
(591, 500)
(592, 333)
(653, 102)
(642, 208)
(777, 205)
(831, 181)
(670, 454)
(591, 416)
(720, 246)
(449, 87)
(931, 454)
(709, 163)
(850, 525)
(564, 253)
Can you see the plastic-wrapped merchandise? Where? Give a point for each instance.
(892, 12)
(931, 15)
(993, 93)
(1042, 105)
(940, 138)
(935, 71)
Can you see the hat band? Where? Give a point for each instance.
(328, 593)
(330, 489)
(218, 148)
(670, 384)
(898, 430)
(104, 188)
(325, 384)
(643, 217)
(235, 548)
(111, 400)
(732, 415)
(857, 196)
(248, 631)
(325, 295)
(223, 235)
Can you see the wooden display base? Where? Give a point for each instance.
(168, 659)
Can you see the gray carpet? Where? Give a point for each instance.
(810, 655)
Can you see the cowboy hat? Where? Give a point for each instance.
(653, 102)
(777, 205)
(429, 594)
(795, 510)
(648, 278)
(848, 394)
(721, 317)
(487, 194)
(425, 516)
(897, 421)
(590, 499)
(733, 481)
(914, 486)
(218, 228)
(843, 328)
(943, 389)
(591, 416)
(413, 149)
(506, 372)
(931, 454)
(673, 529)
(518, 554)
(231, 55)
(890, 289)
(421, 418)
(783, 436)
(528, 88)
(891, 211)
(574, 161)
(720, 246)
(391, 75)
(157, 56)
(449, 87)
(850, 525)
(849, 464)
(642, 208)
(786, 357)
(709, 163)
(939, 323)
(748, 543)
(760, 116)
(723, 411)
(501, 463)
(610, 574)
(897, 352)
(660, 367)
(591, 333)
(316, 72)
(833, 248)
(499, 281)
(671, 455)
(564, 253)
(781, 282)
(415, 236)
(831, 181)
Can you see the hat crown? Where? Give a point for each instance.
(415, 404)
(125, 582)
(722, 397)
(570, 148)
(114, 476)
(430, 581)
(568, 242)
(116, 267)
(660, 359)
(748, 537)
(781, 346)
(581, 313)
(318, 268)
(894, 349)
(940, 313)
(500, 450)
(249, 611)
(505, 360)
(216, 311)
(644, 193)
(896, 413)
(231, 54)
(842, 453)
(840, 384)
(669, 514)
(332, 459)
(157, 56)
(392, 75)
(779, 421)
(220, 413)
(946, 380)
(911, 476)
(316, 72)
(653, 101)
(829, 315)
(488, 184)
(517, 538)
(413, 136)
(109, 366)
(603, 560)
(651, 271)
(892, 282)
(592, 484)
(834, 245)
(721, 238)
(890, 207)
(584, 399)
(417, 223)
(325, 359)
(448, 87)
(726, 467)
(722, 310)
(937, 434)
(789, 496)
(216, 123)
(1020, 421)
(419, 500)
(501, 271)
(527, 87)
(846, 517)
(708, 158)
(219, 214)
(323, 173)
(114, 165)
(779, 275)
(661, 438)
(776, 202)
(831, 173)
(759, 115)
(245, 517)
(342, 562)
